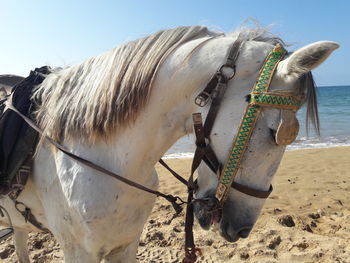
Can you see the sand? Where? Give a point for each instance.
(306, 218)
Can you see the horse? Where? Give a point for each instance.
(124, 109)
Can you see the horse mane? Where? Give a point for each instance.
(105, 92)
(93, 99)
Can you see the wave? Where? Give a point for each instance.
(312, 143)
(178, 156)
(300, 144)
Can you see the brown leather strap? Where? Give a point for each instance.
(210, 158)
(176, 201)
(252, 192)
(198, 129)
(172, 199)
(190, 248)
(175, 174)
(215, 89)
(214, 108)
(222, 84)
(210, 90)
(200, 143)
(234, 52)
(208, 155)
(203, 98)
(28, 216)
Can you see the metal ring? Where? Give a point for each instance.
(233, 68)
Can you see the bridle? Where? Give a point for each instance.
(260, 97)
(214, 91)
(257, 99)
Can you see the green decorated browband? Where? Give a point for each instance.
(259, 97)
(281, 101)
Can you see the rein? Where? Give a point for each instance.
(176, 201)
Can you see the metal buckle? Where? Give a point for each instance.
(202, 99)
(230, 76)
(197, 118)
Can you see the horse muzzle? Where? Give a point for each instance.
(231, 235)
(208, 211)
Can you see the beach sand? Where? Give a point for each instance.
(306, 218)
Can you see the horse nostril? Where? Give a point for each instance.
(244, 233)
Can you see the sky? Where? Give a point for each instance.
(63, 33)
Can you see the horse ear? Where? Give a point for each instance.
(306, 58)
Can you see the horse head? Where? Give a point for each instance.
(275, 127)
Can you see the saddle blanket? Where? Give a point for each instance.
(17, 139)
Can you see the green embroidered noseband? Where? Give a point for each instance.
(259, 97)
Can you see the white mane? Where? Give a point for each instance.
(91, 99)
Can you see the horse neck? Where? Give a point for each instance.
(167, 116)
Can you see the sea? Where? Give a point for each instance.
(334, 114)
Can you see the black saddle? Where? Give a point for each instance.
(17, 139)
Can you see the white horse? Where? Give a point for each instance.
(123, 110)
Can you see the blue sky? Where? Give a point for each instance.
(62, 33)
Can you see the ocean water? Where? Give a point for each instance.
(334, 113)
